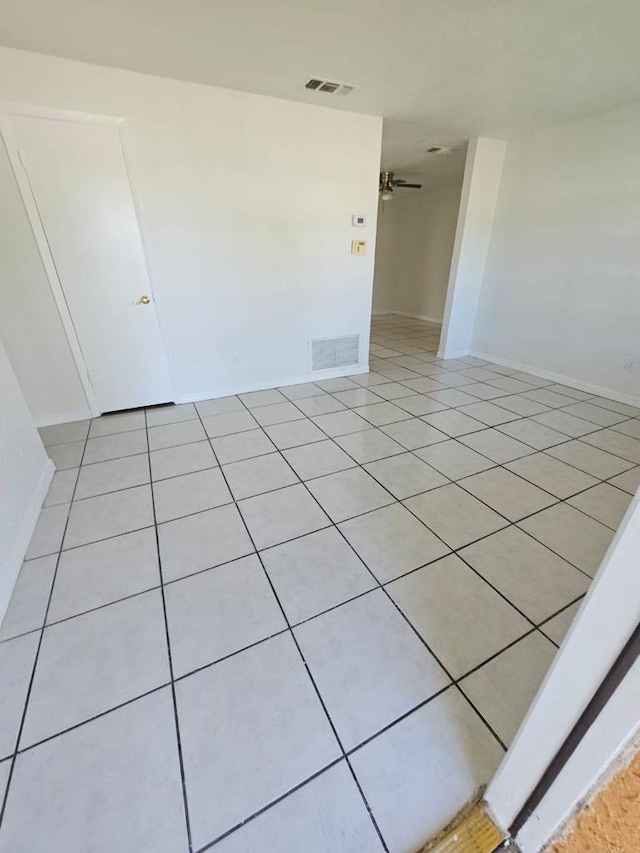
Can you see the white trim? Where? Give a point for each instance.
(560, 378)
(23, 536)
(318, 376)
(460, 353)
(63, 418)
(22, 180)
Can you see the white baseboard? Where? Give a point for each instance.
(428, 319)
(318, 376)
(460, 353)
(64, 418)
(23, 536)
(560, 378)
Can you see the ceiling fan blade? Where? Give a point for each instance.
(404, 186)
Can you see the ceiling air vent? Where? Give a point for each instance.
(331, 87)
(327, 353)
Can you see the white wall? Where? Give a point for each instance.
(561, 288)
(482, 174)
(413, 252)
(247, 204)
(30, 325)
(25, 474)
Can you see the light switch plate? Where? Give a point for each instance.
(358, 247)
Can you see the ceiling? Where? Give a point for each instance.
(439, 71)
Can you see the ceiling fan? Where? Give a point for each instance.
(388, 183)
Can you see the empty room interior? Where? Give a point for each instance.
(320, 376)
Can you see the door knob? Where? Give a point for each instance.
(144, 300)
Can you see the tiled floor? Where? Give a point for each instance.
(307, 619)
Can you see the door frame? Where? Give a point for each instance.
(7, 111)
(607, 618)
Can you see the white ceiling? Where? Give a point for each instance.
(439, 71)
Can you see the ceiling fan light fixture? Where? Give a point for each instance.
(386, 195)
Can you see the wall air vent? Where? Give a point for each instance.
(328, 353)
(330, 87)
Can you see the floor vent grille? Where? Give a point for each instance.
(327, 353)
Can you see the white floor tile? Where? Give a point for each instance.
(555, 629)
(589, 459)
(115, 446)
(571, 534)
(529, 575)
(341, 423)
(506, 493)
(405, 475)
(171, 414)
(50, 527)
(314, 573)
(108, 515)
(496, 446)
(326, 814)
(262, 474)
(417, 775)
(277, 413)
(218, 612)
(16, 665)
(183, 459)
(281, 515)
(462, 620)
(111, 476)
(295, 433)
(318, 459)
(76, 431)
(348, 493)
(91, 663)
(225, 424)
(629, 480)
(62, 487)
(113, 784)
(119, 422)
(201, 541)
(30, 597)
(391, 541)
(453, 459)
(368, 445)
(103, 572)
(219, 406)
(275, 735)
(190, 493)
(454, 515)
(380, 414)
(605, 503)
(503, 689)
(552, 475)
(368, 664)
(414, 433)
(255, 399)
(535, 435)
(242, 445)
(615, 442)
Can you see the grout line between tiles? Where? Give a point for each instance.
(378, 585)
(308, 670)
(176, 720)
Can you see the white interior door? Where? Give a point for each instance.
(78, 179)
